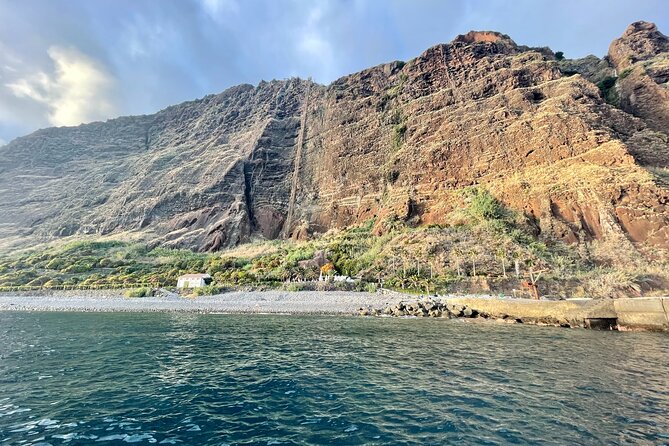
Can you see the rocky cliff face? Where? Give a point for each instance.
(397, 141)
(641, 58)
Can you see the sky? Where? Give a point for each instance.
(66, 62)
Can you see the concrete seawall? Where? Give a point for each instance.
(651, 313)
(643, 313)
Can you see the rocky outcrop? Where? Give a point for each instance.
(590, 67)
(397, 141)
(641, 58)
(640, 42)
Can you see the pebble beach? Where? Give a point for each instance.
(301, 302)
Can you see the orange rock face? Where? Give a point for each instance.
(481, 111)
(397, 141)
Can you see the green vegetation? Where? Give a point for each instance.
(208, 290)
(139, 292)
(483, 206)
(398, 134)
(559, 55)
(626, 72)
(608, 90)
(479, 249)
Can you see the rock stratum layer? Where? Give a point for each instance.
(292, 158)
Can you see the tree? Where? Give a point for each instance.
(456, 256)
(501, 253)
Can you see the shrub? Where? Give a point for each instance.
(56, 263)
(625, 73)
(110, 263)
(607, 88)
(208, 290)
(370, 287)
(399, 130)
(559, 55)
(52, 283)
(483, 207)
(242, 277)
(391, 175)
(304, 253)
(139, 292)
(39, 281)
(79, 267)
(294, 286)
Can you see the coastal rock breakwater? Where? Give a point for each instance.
(423, 308)
(612, 314)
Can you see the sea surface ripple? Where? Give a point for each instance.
(86, 378)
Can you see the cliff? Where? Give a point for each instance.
(398, 141)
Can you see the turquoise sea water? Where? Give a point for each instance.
(68, 378)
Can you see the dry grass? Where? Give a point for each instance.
(253, 250)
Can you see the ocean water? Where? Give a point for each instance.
(87, 378)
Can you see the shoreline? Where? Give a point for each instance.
(237, 302)
(627, 314)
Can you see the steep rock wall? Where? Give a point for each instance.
(401, 140)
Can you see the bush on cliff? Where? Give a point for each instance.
(483, 206)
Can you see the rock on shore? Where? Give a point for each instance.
(426, 307)
(611, 314)
(435, 308)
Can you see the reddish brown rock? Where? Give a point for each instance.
(641, 58)
(397, 142)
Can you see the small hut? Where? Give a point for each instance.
(193, 280)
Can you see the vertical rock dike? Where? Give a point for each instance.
(287, 227)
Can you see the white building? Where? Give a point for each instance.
(193, 280)
(336, 278)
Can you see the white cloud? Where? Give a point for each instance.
(78, 89)
(2, 142)
(219, 9)
(313, 44)
(143, 37)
